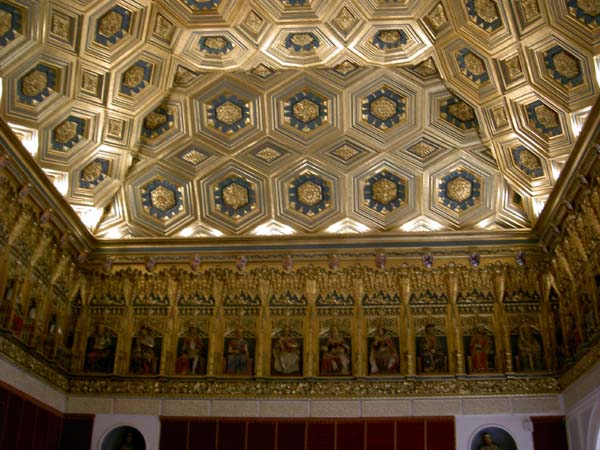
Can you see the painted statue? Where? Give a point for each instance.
(335, 354)
(100, 351)
(287, 354)
(145, 353)
(529, 349)
(191, 353)
(237, 355)
(383, 353)
(481, 349)
(432, 350)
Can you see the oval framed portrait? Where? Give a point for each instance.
(123, 438)
(492, 438)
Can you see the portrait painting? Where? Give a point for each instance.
(480, 350)
(123, 438)
(100, 350)
(192, 352)
(527, 348)
(384, 356)
(335, 353)
(432, 350)
(286, 353)
(492, 438)
(239, 353)
(146, 348)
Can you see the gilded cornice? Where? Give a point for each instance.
(26, 172)
(17, 355)
(585, 363)
(354, 388)
(576, 177)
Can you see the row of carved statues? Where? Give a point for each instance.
(284, 345)
(290, 351)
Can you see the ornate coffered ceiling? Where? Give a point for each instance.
(239, 117)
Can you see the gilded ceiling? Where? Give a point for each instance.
(241, 117)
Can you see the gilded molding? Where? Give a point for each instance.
(352, 388)
(32, 364)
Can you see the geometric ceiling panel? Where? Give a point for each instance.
(462, 192)
(70, 136)
(308, 196)
(228, 114)
(211, 117)
(346, 153)
(138, 81)
(305, 110)
(96, 180)
(113, 29)
(386, 194)
(268, 155)
(233, 198)
(218, 49)
(160, 201)
(524, 167)
(390, 43)
(543, 122)
(469, 69)
(301, 46)
(564, 72)
(485, 22)
(454, 117)
(36, 87)
(384, 108)
(161, 126)
(195, 158)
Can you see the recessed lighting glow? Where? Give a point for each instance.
(347, 226)
(538, 205)
(422, 224)
(273, 228)
(89, 215)
(60, 180)
(27, 136)
(186, 232)
(215, 233)
(578, 119)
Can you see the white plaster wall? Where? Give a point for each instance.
(149, 426)
(582, 406)
(447, 406)
(517, 425)
(31, 385)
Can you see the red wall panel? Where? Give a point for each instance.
(202, 435)
(549, 433)
(410, 434)
(291, 436)
(351, 436)
(320, 436)
(415, 433)
(440, 435)
(27, 424)
(261, 436)
(380, 435)
(232, 436)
